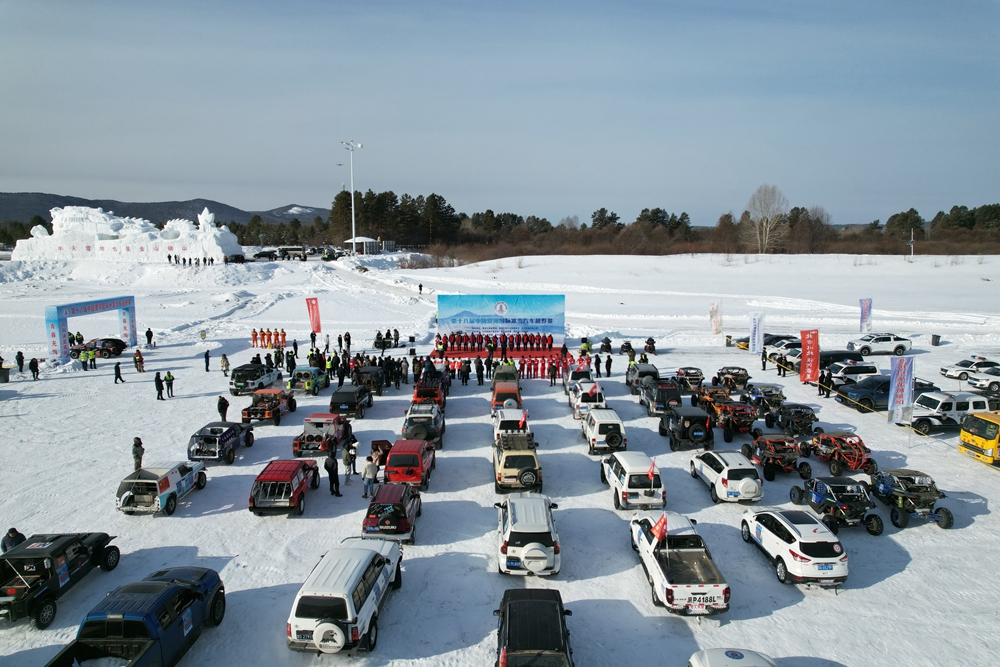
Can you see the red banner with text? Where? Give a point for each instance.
(809, 368)
(312, 304)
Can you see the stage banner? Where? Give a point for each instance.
(866, 315)
(312, 305)
(809, 367)
(494, 314)
(756, 333)
(715, 316)
(901, 390)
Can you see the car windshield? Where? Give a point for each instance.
(427, 393)
(509, 425)
(964, 363)
(404, 460)
(114, 629)
(992, 371)
(519, 461)
(504, 396)
(869, 383)
(980, 427)
(341, 397)
(821, 549)
(642, 481)
(244, 375)
(591, 398)
(742, 473)
(685, 542)
(312, 606)
(524, 539)
(928, 402)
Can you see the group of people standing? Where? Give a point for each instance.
(19, 360)
(504, 343)
(268, 339)
(185, 261)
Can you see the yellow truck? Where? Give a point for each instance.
(979, 437)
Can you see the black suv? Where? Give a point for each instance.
(687, 426)
(635, 374)
(351, 401)
(372, 377)
(41, 569)
(532, 628)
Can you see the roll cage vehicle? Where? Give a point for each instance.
(734, 377)
(269, 404)
(708, 396)
(794, 419)
(157, 488)
(43, 568)
(734, 419)
(689, 378)
(839, 501)
(218, 441)
(843, 451)
(765, 398)
(778, 453)
(910, 494)
(322, 432)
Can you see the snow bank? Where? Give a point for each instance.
(79, 232)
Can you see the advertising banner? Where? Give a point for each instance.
(494, 314)
(756, 333)
(809, 368)
(312, 305)
(901, 390)
(866, 315)
(715, 316)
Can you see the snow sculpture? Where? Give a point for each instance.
(79, 232)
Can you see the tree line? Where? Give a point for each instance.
(767, 225)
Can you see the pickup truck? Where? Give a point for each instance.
(149, 623)
(680, 568)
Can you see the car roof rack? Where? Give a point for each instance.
(517, 441)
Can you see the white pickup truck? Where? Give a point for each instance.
(680, 569)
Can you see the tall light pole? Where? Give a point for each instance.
(350, 145)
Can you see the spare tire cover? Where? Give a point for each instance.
(527, 477)
(614, 440)
(748, 487)
(328, 638)
(697, 432)
(534, 557)
(510, 404)
(417, 432)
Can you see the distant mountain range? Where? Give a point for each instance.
(23, 206)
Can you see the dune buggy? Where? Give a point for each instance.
(843, 451)
(911, 495)
(707, 396)
(839, 501)
(689, 378)
(793, 419)
(734, 377)
(765, 398)
(734, 418)
(776, 453)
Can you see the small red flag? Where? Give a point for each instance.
(649, 473)
(593, 389)
(660, 528)
(524, 419)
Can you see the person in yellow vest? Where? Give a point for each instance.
(93, 359)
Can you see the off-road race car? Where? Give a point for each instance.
(843, 451)
(765, 398)
(428, 390)
(839, 501)
(708, 395)
(734, 377)
(43, 568)
(734, 418)
(689, 378)
(794, 419)
(218, 441)
(777, 453)
(104, 347)
(322, 432)
(308, 381)
(910, 494)
(158, 487)
(269, 404)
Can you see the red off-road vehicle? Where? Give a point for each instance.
(843, 451)
(778, 453)
(734, 418)
(322, 432)
(269, 404)
(410, 462)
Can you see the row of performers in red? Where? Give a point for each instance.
(478, 342)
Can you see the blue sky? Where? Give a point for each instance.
(549, 109)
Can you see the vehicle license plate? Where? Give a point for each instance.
(733, 494)
(371, 529)
(304, 635)
(513, 564)
(824, 566)
(343, 407)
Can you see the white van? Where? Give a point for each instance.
(338, 605)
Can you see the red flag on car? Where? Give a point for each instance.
(649, 473)
(593, 389)
(660, 528)
(524, 419)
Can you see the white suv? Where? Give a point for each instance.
(798, 545)
(987, 380)
(527, 541)
(338, 605)
(604, 429)
(632, 486)
(880, 342)
(851, 372)
(508, 422)
(730, 476)
(585, 396)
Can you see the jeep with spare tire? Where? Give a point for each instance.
(515, 464)
(687, 427)
(43, 568)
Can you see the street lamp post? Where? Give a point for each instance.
(350, 146)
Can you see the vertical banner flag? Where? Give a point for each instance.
(715, 315)
(312, 304)
(809, 364)
(901, 390)
(866, 315)
(756, 332)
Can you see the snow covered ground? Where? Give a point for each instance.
(921, 596)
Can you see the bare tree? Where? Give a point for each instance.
(768, 210)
